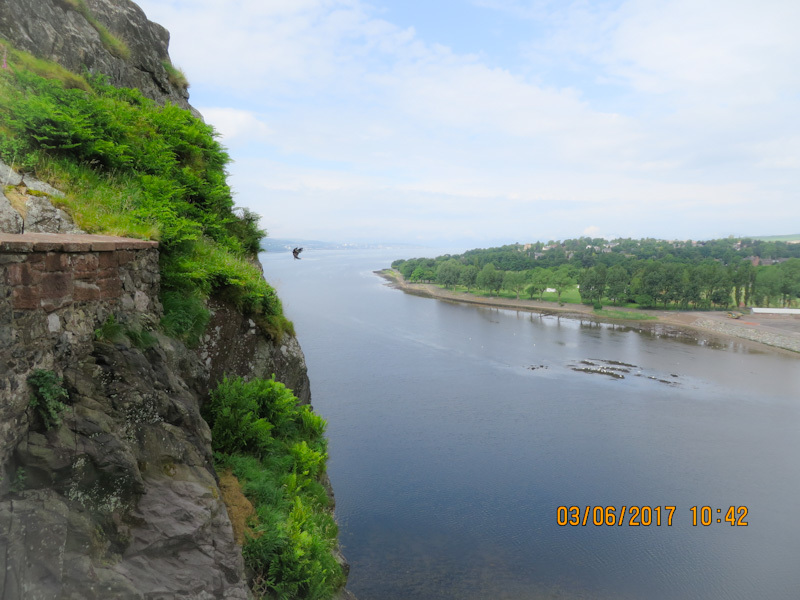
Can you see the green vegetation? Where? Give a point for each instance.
(276, 448)
(624, 314)
(131, 167)
(47, 396)
(634, 273)
(175, 75)
(18, 484)
(111, 331)
(779, 238)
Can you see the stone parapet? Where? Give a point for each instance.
(55, 292)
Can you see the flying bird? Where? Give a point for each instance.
(296, 253)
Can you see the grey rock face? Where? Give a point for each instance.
(40, 186)
(9, 176)
(43, 217)
(51, 29)
(120, 500)
(39, 215)
(10, 221)
(233, 345)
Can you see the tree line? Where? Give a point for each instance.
(687, 277)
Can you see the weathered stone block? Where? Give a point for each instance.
(56, 261)
(11, 258)
(107, 259)
(110, 288)
(82, 263)
(21, 274)
(56, 285)
(51, 304)
(84, 292)
(104, 246)
(76, 246)
(125, 256)
(16, 245)
(25, 298)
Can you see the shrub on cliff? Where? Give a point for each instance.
(47, 394)
(276, 448)
(132, 167)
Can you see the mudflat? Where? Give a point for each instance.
(778, 333)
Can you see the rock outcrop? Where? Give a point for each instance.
(118, 498)
(25, 205)
(58, 31)
(232, 346)
(119, 501)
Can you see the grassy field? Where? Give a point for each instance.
(570, 296)
(778, 238)
(624, 314)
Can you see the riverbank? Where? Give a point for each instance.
(776, 333)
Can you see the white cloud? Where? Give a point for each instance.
(232, 123)
(667, 118)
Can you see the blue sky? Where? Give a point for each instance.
(477, 122)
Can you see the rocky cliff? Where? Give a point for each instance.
(112, 493)
(112, 37)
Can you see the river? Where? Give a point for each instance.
(457, 432)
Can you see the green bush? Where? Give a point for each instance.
(47, 396)
(242, 414)
(132, 167)
(185, 316)
(276, 448)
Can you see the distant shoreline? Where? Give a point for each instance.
(780, 334)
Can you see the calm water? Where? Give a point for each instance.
(450, 454)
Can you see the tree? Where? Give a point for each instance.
(593, 284)
(539, 281)
(617, 282)
(468, 276)
(693, 288)
(422, 273)
(561, 280)
(768, 285)
(514, 281)
(448, 272)
(740, 275)
(790, 280)
(489, 278)
(648, 284)
(721, 287)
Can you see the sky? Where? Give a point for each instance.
(486, 122)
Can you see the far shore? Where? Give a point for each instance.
(779, 334)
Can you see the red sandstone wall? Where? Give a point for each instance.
(55, 291)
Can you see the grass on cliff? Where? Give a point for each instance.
(277, 450)
(134, 168)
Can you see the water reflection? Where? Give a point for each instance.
(457, 431)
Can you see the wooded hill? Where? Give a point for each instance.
(647, 273)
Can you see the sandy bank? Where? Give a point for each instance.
(778, 334)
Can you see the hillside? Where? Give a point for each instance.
(123, 360)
